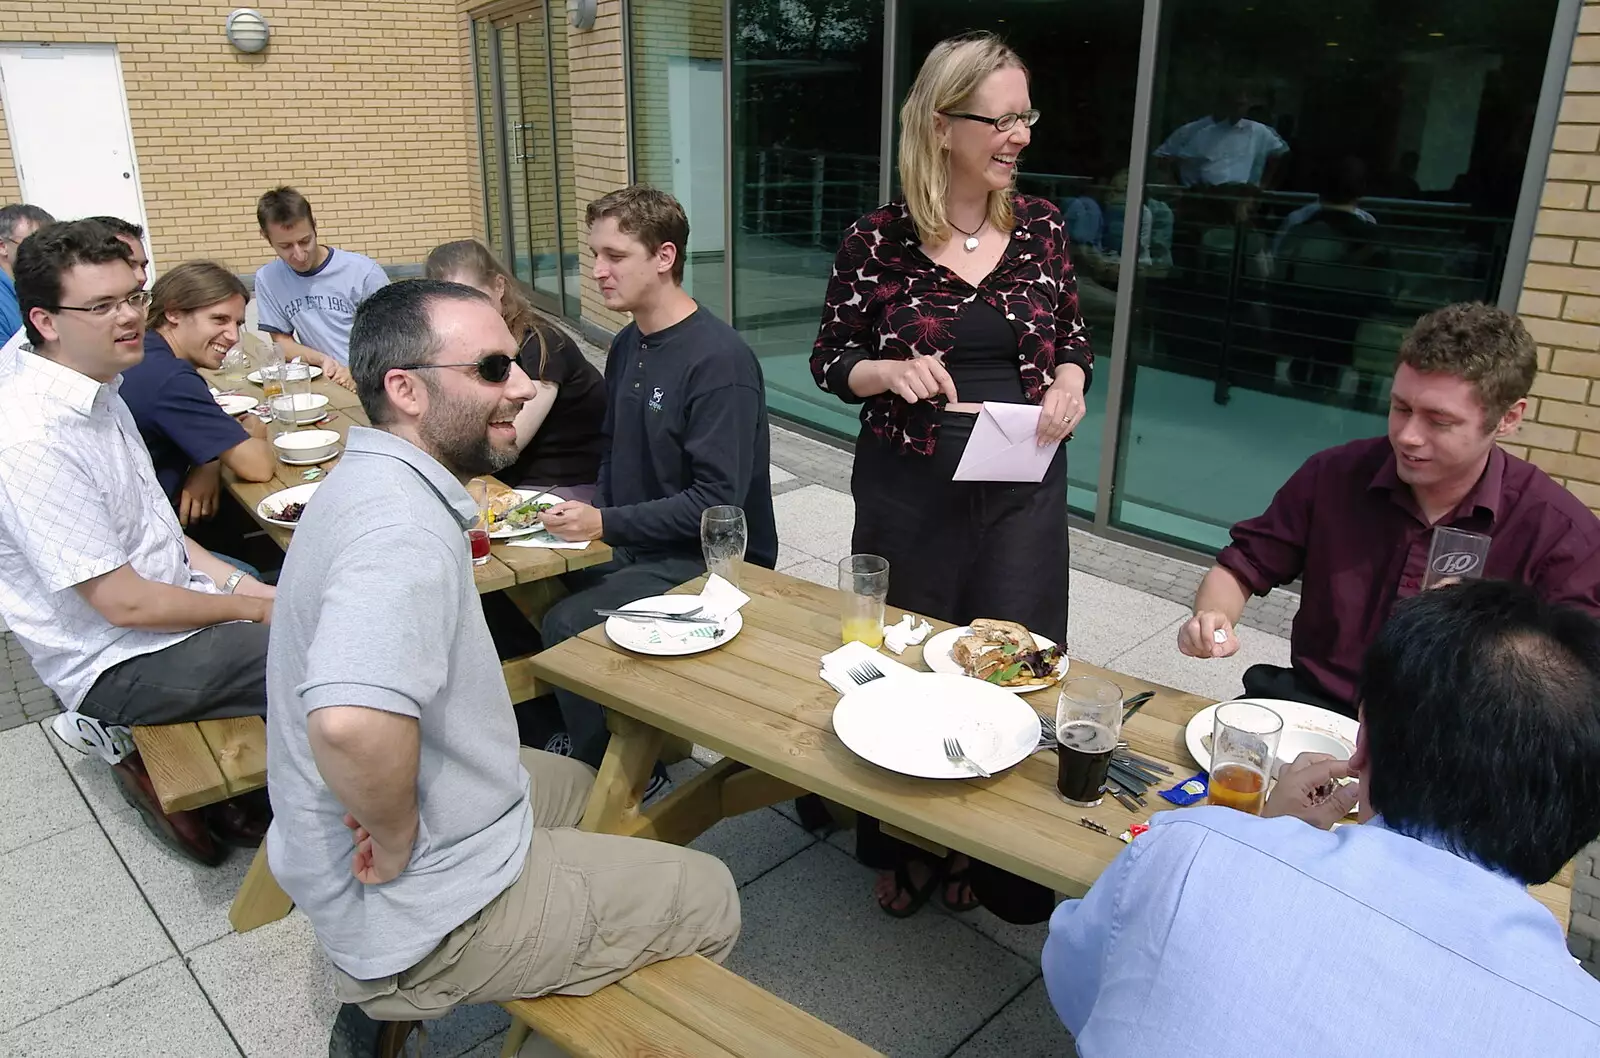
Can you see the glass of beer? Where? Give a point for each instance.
(1088, 724)
(722, 541)
(863, 593)
(1244, 743)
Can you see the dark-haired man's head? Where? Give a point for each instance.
(425, 358)
(133, 235)
(289, 226)
(1461, 385)
(82, 303)
(17, 222)
(1480, 726)
(639, 236)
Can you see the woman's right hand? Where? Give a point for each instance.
(919, 378)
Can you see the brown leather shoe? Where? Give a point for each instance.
(237, 823)
(355, 1035)
(183, 832)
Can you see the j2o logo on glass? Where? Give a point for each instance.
(656, 396)
(1455, 564)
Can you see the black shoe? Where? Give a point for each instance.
(355, 1035)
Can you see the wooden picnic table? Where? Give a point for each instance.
(760, 702)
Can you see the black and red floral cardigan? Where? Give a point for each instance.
(887, 300)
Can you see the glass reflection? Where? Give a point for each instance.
(1356, 166)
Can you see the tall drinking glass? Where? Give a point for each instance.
(722, 540)
(863, 592)
(1244, 744)
(478, 534)
(1088, 724)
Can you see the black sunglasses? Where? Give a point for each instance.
(494, 368)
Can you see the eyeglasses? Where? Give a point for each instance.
(139, 299)
(1003, 123)
(494, 368)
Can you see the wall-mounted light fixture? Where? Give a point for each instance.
(248, 31)
(581, 13)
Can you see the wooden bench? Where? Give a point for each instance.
(194, 765)
(681, 1008)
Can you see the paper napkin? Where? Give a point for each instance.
(718, 601)
(905, 632)
(836, 666)
(545, 539)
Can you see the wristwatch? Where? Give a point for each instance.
(232, 582)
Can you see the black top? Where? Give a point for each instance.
(983, 364)
(567, 448)
(182, 425)
(687, 425)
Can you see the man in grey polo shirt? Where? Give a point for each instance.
(437, 861)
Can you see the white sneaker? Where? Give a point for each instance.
(112, 743)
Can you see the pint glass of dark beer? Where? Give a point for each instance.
(1088, 724)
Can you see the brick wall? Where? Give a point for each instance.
(361, 106)
(1561, 305)
(599, 133)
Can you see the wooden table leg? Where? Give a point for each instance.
(624, 773)
(260, 900)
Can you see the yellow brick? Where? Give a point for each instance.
(1539, 435)
(1584, 138)
(1569, 222)
(1539, 303)
(1575, 166)
(1580, 109)
(1583, 79)
(1547, 248)
(1561, 413)
(1566, 464)
(1589, 20)
(1587, 253)
(1560, 387)
(1560, 332)
(1586, 49)
(1589, 494)
(1581, 309)
(1520, 451)
(1566, 362)
(1565, 278)
(1589, 444)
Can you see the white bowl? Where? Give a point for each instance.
(307, 445)
(300, 408)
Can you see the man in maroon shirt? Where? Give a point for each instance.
(1354, 523)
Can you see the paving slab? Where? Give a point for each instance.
(37, 796)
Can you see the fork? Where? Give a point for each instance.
(864, 673)
(952, 749)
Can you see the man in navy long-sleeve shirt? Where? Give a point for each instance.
(686, 429)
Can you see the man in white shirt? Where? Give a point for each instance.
(1224, 147)
(307, 298)
(132, 235)
(1410, 936)
(125, 619)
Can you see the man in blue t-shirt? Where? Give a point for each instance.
(307, 298)
(17, 222)
(196, 311)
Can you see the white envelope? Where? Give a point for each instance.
(1005, 447)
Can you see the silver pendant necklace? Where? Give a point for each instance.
(972, 236)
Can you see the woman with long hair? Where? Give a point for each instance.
(558, 432)
(960, 294)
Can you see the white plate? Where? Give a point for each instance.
(901, 722)
(528, 494)
(310, 462)
(1306, 729)
(235, 403)
(936, 652)
(641, 637)
(255, 376)
(278, 500)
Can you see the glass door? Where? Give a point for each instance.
(528, 157)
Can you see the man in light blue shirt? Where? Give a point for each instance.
(17, 222)
(1479, 763)
(307, 298)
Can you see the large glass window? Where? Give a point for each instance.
(1084, 57)
(1320, 175)
(807, 86)
(675, 55)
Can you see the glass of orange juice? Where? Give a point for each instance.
(1244, 743)
(863, 591)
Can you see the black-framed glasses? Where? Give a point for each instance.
(139, 299)
(494, 368)
(1003, 123)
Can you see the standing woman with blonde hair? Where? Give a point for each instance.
(559, 431)
(959, 294)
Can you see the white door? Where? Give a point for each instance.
(67, 117)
